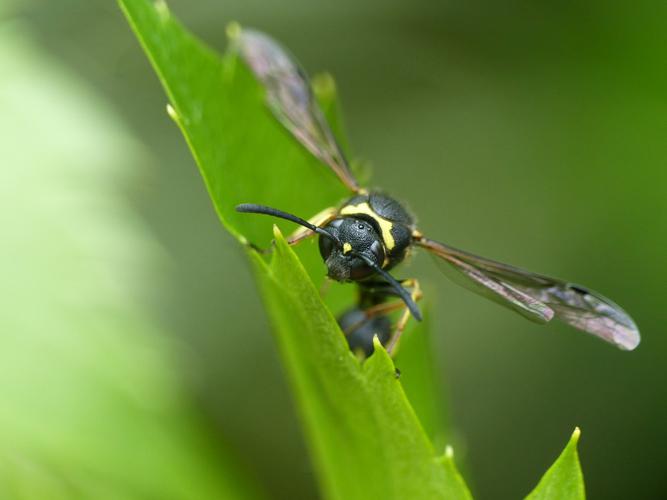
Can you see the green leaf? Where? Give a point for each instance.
(415, 360)
(92, 402)
(563, 480)
(363, 433)
(243, 153)
(364, 436)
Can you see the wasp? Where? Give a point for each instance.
(370, 233)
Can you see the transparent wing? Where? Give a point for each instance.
(291, 99)
(539, 297)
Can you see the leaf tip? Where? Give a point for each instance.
(173, 114)
(563, 479)
(162, 9)
(380, 363)
(324, 86)
(277, 234)
(233, 30)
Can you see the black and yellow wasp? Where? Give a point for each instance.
(370, 233)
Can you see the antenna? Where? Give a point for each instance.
(252, 208)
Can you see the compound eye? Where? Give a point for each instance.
(377, 249)
(326, 247)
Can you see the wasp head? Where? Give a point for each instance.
(359, 244)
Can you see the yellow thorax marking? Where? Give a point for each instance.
(385, 225)
(347, 248)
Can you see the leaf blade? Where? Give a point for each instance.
(243, 153)
(564, 479)
(387, 453)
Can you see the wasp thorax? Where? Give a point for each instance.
(359, 241)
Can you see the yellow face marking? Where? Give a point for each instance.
(385, 225)
(347, 248)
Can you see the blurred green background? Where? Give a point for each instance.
(533, 133)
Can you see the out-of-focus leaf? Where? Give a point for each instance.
(564, 479)
(91, 404)
(365, 438)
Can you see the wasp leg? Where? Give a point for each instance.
(373, 302)
(325, 286)
(260, 250)
(320, 219)
(375, 311)
(383, 308)
(416, 295)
